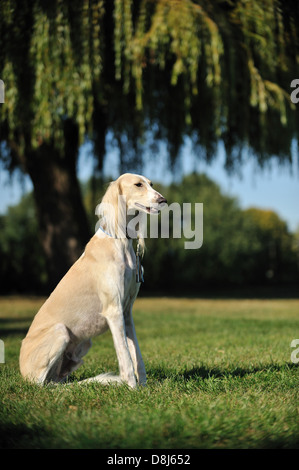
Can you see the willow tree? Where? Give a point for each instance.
(139, 72)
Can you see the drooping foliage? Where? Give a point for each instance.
(142, 71)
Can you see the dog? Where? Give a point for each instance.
(96, 293)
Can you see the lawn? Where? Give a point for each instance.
(220, 375)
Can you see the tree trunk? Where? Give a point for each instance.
(63, 223)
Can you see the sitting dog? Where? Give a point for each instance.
(97, 293)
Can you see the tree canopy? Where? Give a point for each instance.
(133, 74)
(149, 70)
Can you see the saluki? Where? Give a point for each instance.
(96, 293)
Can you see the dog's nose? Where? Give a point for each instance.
(161, 200)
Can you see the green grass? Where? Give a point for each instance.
(219, 376)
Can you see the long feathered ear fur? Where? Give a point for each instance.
(107, 210)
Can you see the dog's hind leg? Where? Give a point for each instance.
(42, 354)
(105, 379)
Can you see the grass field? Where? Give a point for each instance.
(220, 375)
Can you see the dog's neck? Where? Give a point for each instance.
(116, 229)
(121, 227)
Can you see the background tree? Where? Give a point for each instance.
(271, 244)
(240, 247)
(133, 73)
(22, 264)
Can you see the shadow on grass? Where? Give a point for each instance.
(162, 373)
(201, 372)
(20, 436)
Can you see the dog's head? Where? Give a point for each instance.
(139, 194)
(124, 196)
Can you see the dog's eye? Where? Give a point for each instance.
(138, 185)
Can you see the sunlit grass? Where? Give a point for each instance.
(219, 376)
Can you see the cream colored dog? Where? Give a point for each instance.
(97, 293)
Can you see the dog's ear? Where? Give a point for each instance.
(111, 212)
(111, 195)
(119, 187)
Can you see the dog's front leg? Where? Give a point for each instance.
(117, 328)
(134, 348)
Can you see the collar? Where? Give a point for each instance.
(111, 236)
(106, 233)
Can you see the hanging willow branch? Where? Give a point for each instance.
(212, 70)
(62, 65)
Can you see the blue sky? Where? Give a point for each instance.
(275, 189)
